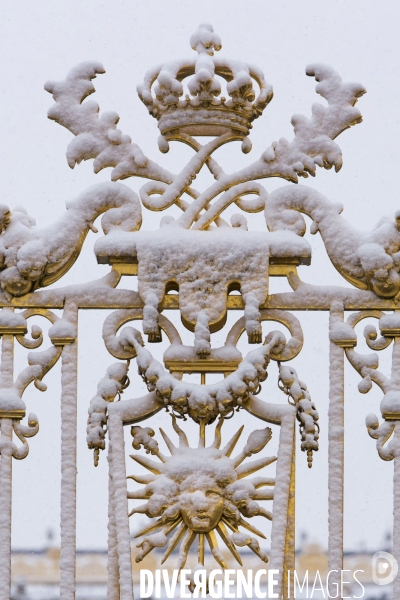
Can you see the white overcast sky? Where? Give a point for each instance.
(42, 40)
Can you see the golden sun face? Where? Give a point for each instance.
(202, 509)
(198, 492)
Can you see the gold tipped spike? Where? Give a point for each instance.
(201, 548)
(262, 481)
(143, 479)
(137, 495)
(217, 438)
(174, 541)
(161, 457)
(160, 523)
(266, 495)
(262, 512)
(183, 441)
(140, 557)
(202, 436)
(229, 448)
(140, 510)
(212, 542)
(254, 466)
(258, 552)
(251, 528)
(150, 528)
(166, 439)
(185, 547)
(172, 526)
(244, 524)
(230, 525)
(225, 538)
(147, 463)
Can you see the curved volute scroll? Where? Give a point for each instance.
(39, 363)
(12, 407)
(121, 346)
(290, 350)
(112, 385)
(35, 257)
(367, 365)
(367, 259)
(23, 432)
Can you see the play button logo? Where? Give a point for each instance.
(384, 568)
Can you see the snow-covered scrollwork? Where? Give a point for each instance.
(367, 259)
(205, 262)
(203, 403)
(14, 324)
(22, 432)
(200, 491)
(206, 402)
(387, 436)
(200, 265)
(367, 366)
(32, 257)
(205, 112)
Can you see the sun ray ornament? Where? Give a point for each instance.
(196, 492)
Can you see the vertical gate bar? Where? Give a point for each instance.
(396, 518)
(336, 450)
(5, 507)
(7, 361)
(290, 545)
(282, 497)
(69, 382)
(117, 445)
(7, 375)
(112, 557)
(395, 376)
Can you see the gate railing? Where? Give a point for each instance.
(203, 258)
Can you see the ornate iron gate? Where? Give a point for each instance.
(195, 493)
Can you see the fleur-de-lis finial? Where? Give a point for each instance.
(204, 39)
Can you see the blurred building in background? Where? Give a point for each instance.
(36, 573)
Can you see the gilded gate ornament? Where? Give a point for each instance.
(197, 492)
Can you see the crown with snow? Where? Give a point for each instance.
(204, 111)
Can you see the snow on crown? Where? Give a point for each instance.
(204, 111)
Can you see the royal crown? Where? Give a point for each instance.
(204, 111)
